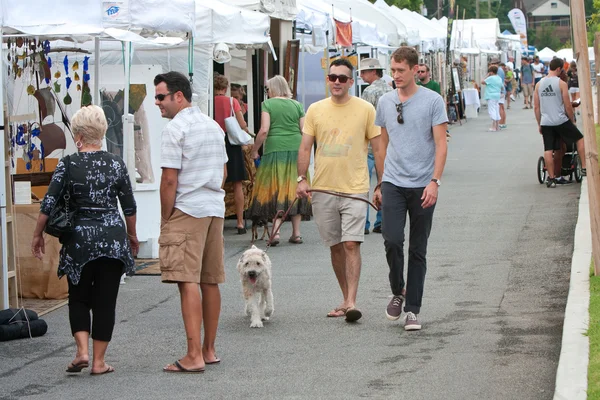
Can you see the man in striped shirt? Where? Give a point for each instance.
(193, 162)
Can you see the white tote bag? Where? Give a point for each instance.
(235, 134)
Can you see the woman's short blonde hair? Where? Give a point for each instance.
(278, 87)
(90, 123)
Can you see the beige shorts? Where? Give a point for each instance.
(527, 89)
(340, 219)
(192, 249)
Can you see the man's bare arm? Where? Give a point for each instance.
(168, 192)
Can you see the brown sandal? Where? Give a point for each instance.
(296, 239)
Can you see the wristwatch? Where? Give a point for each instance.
(300, 178)
(437, 181)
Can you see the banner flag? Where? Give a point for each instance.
(343, 33)
(519, 23)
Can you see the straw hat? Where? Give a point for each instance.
(369, 63)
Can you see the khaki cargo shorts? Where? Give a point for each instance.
(340, 219)
(192, 249)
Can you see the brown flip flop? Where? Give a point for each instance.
(108, 370)
(182, 369)
(335, 313)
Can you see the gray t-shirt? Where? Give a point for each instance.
(411, 149)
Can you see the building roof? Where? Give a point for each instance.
(531, 5)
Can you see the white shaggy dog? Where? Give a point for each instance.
(255, 272)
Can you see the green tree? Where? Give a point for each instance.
(545, 37)
(413, 5)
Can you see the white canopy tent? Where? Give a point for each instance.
(147, 24)
(482, 34)
(566, 54)
(546, 54)
(141, 20)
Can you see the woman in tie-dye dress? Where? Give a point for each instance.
(276, 177)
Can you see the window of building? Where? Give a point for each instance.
(553, 5)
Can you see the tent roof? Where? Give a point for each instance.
(215, 19)
(74, 18)
(281, 9)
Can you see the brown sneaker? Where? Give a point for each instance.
(394, 309)
(411, 322)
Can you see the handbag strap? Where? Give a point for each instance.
(231, 102)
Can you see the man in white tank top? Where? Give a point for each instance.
(554, 115)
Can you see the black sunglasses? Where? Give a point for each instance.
(399, 107)
(161, 97)
(342, 78)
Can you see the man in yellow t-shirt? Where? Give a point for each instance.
(342, 127)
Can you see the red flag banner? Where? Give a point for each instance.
(343, 33)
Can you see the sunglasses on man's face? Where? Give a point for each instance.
(333, 77)
(421, 72)
(399, 107)
(161, 96)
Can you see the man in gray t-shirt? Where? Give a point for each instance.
(413, 123)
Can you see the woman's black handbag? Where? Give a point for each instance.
(61, 220)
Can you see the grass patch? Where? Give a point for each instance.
(594, 337)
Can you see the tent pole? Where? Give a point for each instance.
(303, 70)
(250, 89)
(5, 296)
(128, 141)
(96, 98)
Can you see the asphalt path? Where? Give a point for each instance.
(495, 293)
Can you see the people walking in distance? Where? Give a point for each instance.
(492, 95)
(424, 79)
(527, 83)
(101, 247)
(193, 159)
(508, 84)
(501, 102)
(538, 70)
(573, 83)
(413, 125)
(554, 115)
(371, 72)
(342, 127)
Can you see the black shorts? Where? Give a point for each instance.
(566, 131)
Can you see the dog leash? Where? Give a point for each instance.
(283, 216)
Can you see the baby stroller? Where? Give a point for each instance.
(571, 165)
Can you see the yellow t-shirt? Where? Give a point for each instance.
(342, 133)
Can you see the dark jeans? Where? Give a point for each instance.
(397, 201)
(97, 291)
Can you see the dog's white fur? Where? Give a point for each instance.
(255, 272)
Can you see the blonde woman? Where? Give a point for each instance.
(102, 246)
(281, 124)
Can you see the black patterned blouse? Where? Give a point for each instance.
(99, 179)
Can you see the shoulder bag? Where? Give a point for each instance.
(236, 135)
(61, 220)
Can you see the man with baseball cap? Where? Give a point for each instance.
(371, 72)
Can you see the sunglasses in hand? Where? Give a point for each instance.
(342, 78)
